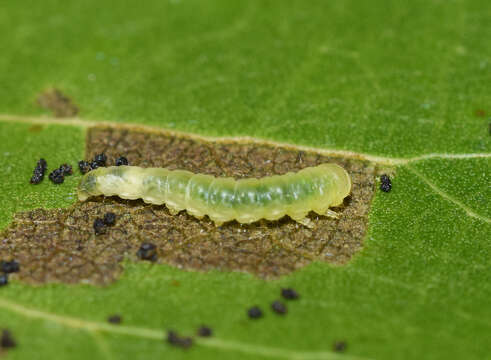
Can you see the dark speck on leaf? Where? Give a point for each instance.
(9, 266)
(39, 171)
(289, 294)
(339, 346)
(255, 312)
(480, 113)
(114, 319)
(57, 176)
(109, 219)
(385, 183)
(100, 159)
(99, 226)
(94, 165)
(4, 279)
(66, 169)
(173, 338)
(147, 251)
(7, 340)
(278, 307)
(204, 331)
(121, 161)
(84, 166)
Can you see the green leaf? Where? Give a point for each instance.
(21, 146)
(404, 85)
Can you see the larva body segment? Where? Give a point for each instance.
(225, 199)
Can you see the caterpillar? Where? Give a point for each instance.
(224, 199)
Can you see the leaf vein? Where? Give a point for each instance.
(216, 343)
(470, 212)
(382, 160)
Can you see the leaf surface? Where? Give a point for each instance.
(406, 83)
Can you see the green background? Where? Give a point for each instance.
(390, 78)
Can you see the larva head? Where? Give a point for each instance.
(342, 183)
(87, 186)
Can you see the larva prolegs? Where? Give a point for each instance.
(305, 222)
(246, 197)
(177, 182)
(154, 185)
(221, 200)
(197, 194)
(173, 211)
(332, 214)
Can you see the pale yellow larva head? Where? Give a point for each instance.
(87, 186)
(342, 181)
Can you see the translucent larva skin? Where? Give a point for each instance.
(224, 199)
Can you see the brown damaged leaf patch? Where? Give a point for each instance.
(60, 245)
(59, 104)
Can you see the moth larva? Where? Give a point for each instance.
(225, 199)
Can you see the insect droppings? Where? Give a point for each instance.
(147, 251)
(66, 169)
(9, 266)
(114, 319)
(57, 176)
(121, 161)
(175, 339)
(385, 183)
(7, 340)
(4, 279)
(278, 307)
(204, 331)
(100, 159)
(224, 199)
(255, 312)
(109, 218)
(289, 294)
(84, 166)
(99, 226)
(94, 165)
(39, 171)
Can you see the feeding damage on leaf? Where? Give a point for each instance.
(61, 246)
(57, 102)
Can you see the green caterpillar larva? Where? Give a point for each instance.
(225, 199)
